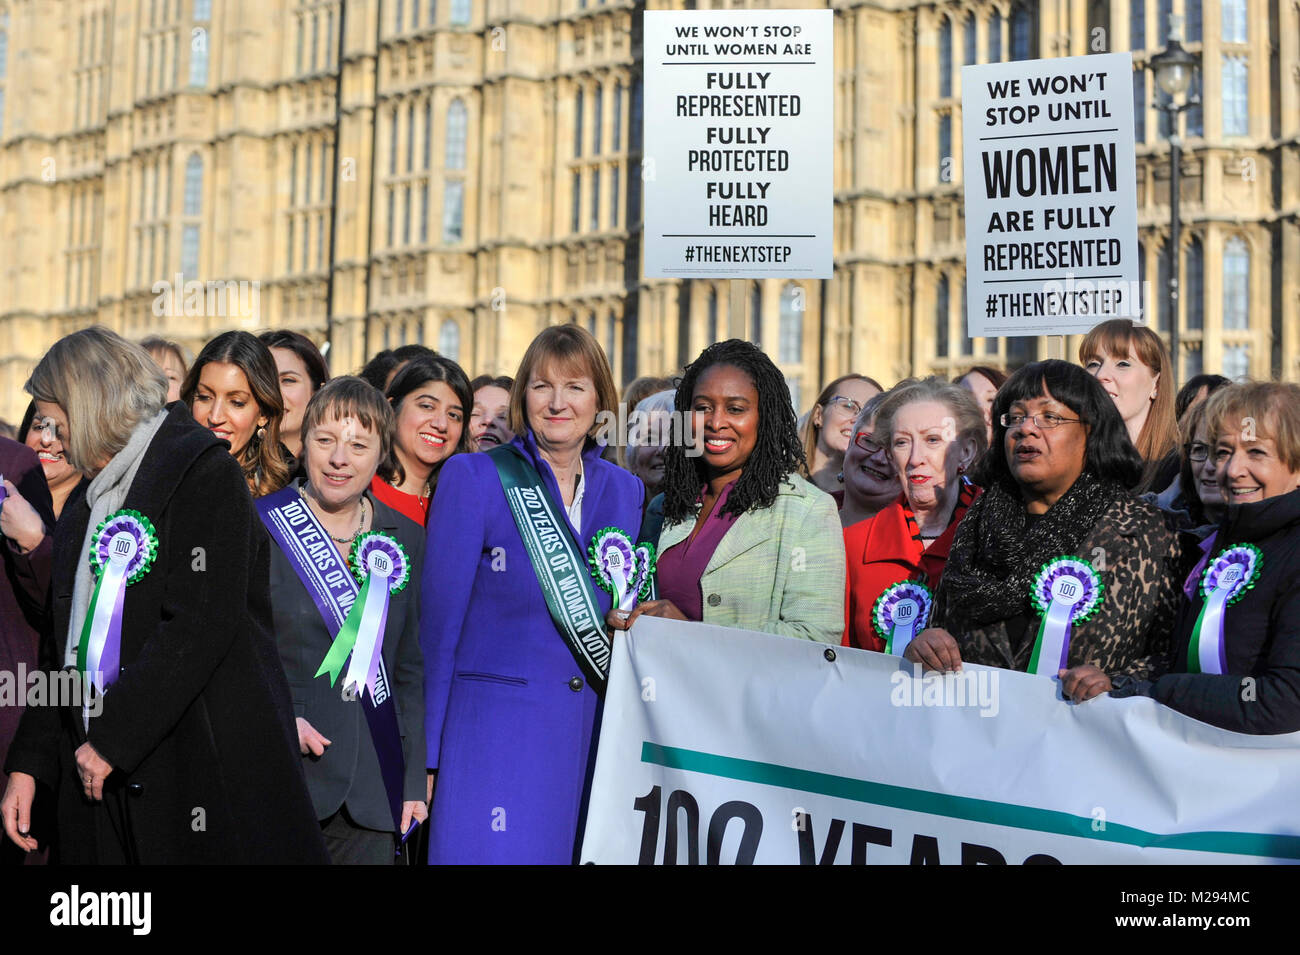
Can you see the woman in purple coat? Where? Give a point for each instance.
(514, 662)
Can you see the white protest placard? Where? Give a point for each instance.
(739, 113)
(1051, 195)
(725, 745)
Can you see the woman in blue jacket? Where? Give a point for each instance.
(512, 679)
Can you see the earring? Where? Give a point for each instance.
(261, 435)
(840, 477)
(961, 469)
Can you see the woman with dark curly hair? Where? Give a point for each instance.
(1059, 569)
(746, 541)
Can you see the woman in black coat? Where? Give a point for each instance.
(189, 755)
(1239, 667)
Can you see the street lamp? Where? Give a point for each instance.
(1173, 68)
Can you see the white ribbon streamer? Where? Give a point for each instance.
(903, 630)
(111, 585)
(370, 639)
(624, 593)
(1207, 647)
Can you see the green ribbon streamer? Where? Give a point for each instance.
(83, 648)
(1038, 645)
(1194, 644)
(347, 638)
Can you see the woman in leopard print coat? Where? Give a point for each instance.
(1059, 476)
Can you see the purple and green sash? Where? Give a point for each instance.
(558, 565)
(312, 555)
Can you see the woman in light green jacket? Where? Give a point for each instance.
(746, 541)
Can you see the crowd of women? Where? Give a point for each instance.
(307, 614)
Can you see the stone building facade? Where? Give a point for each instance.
(462, 173)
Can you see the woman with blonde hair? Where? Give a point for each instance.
(1236, 644)
(161, 608)
(935, 432)
(1132, 364)
(170, 357)
(233, 390)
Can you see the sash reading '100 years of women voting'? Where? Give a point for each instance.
(314, 558)
(558, 564)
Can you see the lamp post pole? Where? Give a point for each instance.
(1173, 68)
(1175, 259)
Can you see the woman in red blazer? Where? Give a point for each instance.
(935, 432)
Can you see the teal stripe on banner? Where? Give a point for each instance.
(963, 807)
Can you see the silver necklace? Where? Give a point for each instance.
(361, 519)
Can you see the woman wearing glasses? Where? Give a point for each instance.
(830, 429)
(870, 482)
(1200, 506)
(1059, 568)
(934, 432)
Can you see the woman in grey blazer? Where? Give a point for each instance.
(360, 726)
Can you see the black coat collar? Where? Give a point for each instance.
(1252, 522)
(174, 449)
(177, 445)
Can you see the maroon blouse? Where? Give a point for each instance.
(682, 565)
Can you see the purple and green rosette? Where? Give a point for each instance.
(122, 550)
(382, 566)
(900, 612)
(1225, 581)
(614, 566)
(1066, 591)
(646, 562)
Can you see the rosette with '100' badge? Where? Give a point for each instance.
(380, 563)
(122, 550)
(1065, 592)
(613, 562)
(1225, 581)
(900, 612)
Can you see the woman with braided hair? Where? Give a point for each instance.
(746, 541)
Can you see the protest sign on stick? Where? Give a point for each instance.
(738, 144)
(1051, 195)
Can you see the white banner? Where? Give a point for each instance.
(1051, 195)
(727, 745)
(739, 113)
